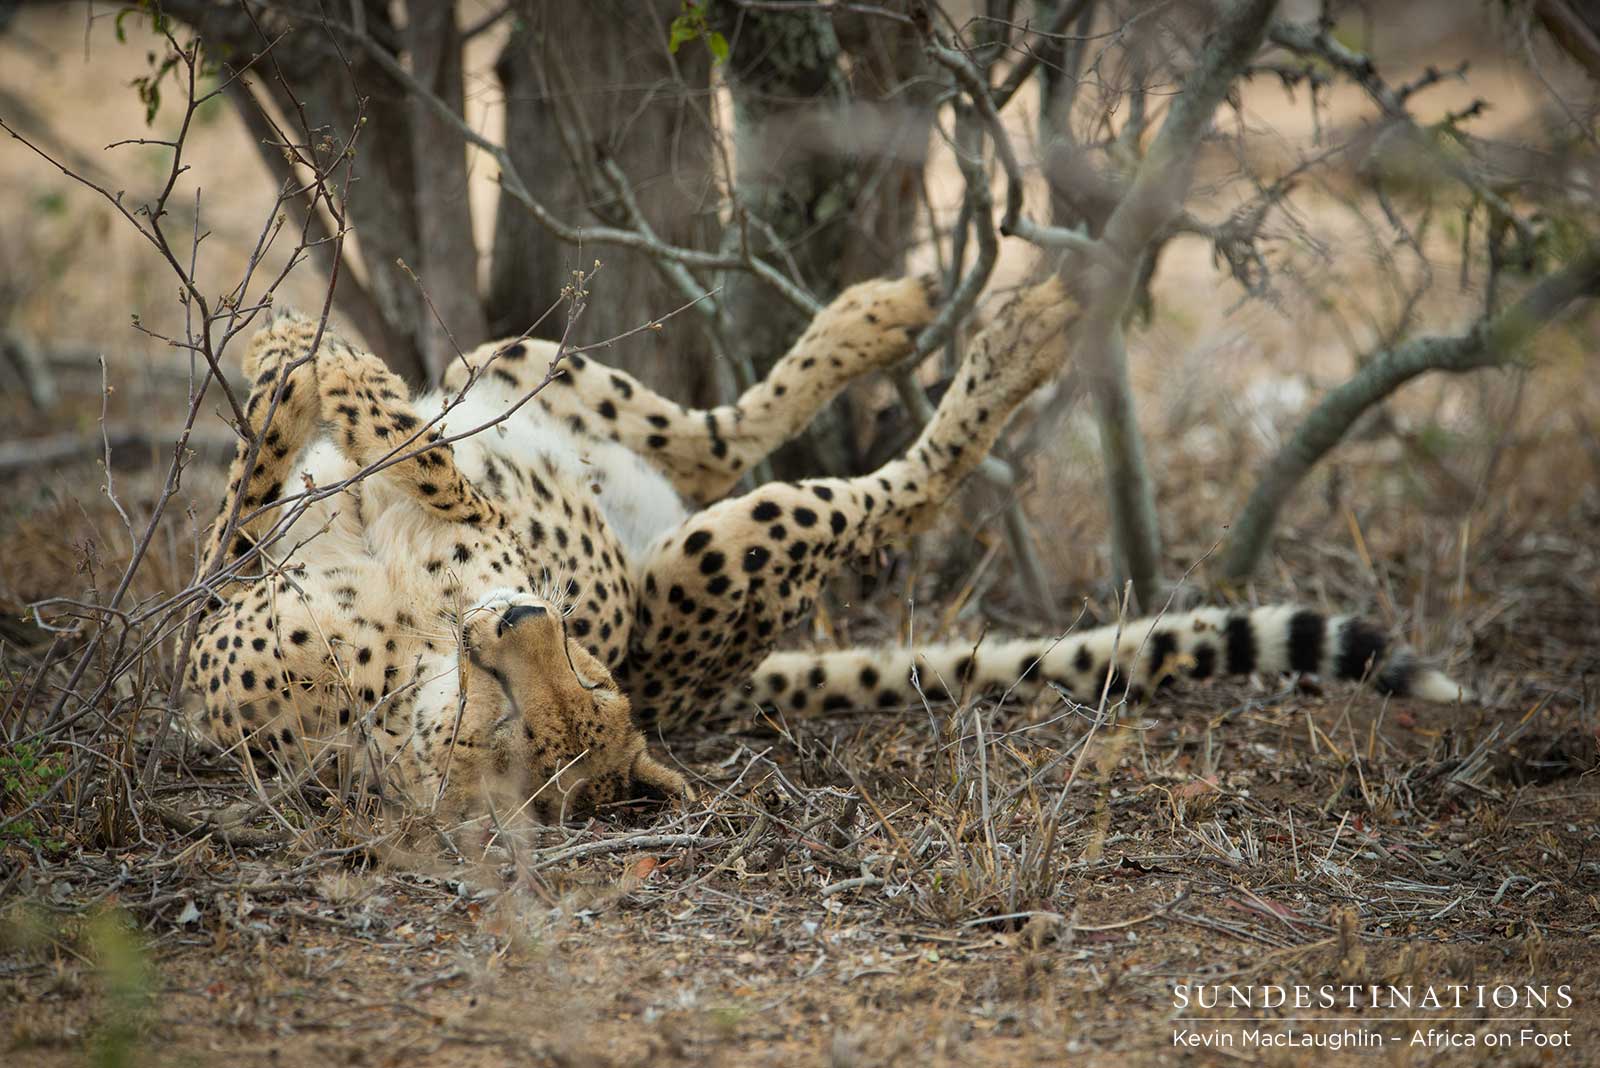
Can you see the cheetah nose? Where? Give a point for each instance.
(517, 614)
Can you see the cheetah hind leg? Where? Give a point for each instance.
(870, 326)
(718, 591)
(1146, 655)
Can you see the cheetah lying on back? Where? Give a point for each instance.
(507, 611)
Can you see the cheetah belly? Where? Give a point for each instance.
(638, 502)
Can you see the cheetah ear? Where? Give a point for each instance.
(282, 310)
(654, 781)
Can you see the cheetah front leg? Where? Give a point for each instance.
(283, 432)
(716, 593)
(870, 326)
(372, 421)
(369, 409)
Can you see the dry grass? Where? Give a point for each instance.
(963, 883)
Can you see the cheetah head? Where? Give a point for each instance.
(560, 732)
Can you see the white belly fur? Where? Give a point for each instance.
(638, 501)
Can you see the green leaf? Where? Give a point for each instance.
(718, 45)
(683, 29)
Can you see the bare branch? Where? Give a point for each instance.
(512, 181)
(1032, 57)
(978, 91)
(1491, 343)
(355, 299)
(1152, 201)
(1317, 42)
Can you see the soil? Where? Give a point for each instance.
(1221, 846)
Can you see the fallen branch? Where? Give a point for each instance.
(625, 843)
(210, 823)
(68, 448)
(23, 358)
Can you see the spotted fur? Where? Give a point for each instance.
(506, 609)
(1110, 662)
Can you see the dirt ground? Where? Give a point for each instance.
(1221, 847)
(958, 884)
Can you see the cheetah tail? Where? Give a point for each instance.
(1150, 653)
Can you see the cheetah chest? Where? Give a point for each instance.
(581, 510)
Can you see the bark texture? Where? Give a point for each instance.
(447, 252)
(829, 148)
(585, 78)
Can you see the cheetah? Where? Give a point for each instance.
(509, 609)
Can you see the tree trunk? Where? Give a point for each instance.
(890, 91)
(833, 178)
(649, 111)
(789, 112)
(1112, 284)
(383, 198)
(448, 269)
